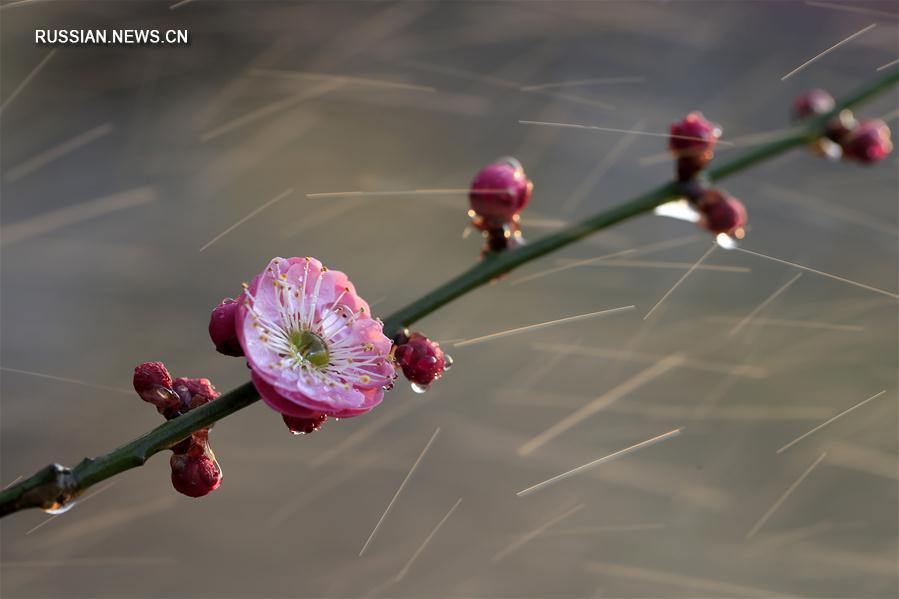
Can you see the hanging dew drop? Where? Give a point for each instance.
(420, 388)
(65, 499)
(447, 362)
(726, 241)
(60, 508)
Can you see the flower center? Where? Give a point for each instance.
(310, 347)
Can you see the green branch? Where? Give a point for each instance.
(55, 485)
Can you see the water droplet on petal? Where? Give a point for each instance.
(420, 388)
(447, 362)
(302, 426)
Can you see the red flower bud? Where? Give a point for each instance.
(421, 359)
(694, 136)
(153, 383)
(150, 374)
(195, 475)
(720, 212)
(814, 102)
(194, 392)
(498, 192)
(222, 328)
(194, 470)
(869, 142)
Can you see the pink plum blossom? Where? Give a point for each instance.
(311, 342)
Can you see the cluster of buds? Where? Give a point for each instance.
(692, 142)
(421, 360)
(498, 194)
(195, 471)
(866, 141)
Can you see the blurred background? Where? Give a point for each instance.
(120, 163)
